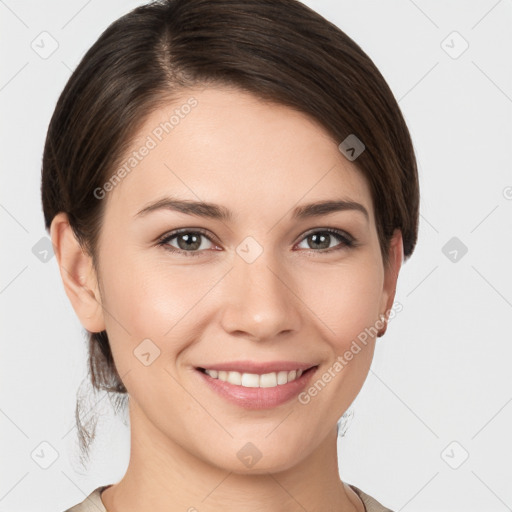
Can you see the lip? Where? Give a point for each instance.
(257, 398)
(259, 368)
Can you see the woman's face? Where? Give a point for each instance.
(253, 277)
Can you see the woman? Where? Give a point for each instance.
(231, 190)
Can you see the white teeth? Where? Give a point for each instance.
(268, 380)
(282, 377)
(250, 380)
(254, 380)
(235, 378)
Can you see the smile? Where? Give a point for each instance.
(254, 380)
(250, 390)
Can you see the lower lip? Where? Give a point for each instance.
(258, 398)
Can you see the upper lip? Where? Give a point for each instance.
(259, 368)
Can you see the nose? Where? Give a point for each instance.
(261, 302)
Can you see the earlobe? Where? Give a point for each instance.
(78, 274)
(396, 258)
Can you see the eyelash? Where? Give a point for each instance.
(346, 240)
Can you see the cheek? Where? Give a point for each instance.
(345, 299)
(151, 299)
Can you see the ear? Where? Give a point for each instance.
(396, 258)
(78, 274)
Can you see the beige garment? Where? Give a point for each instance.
(93, 502)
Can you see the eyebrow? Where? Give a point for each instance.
(218, 212)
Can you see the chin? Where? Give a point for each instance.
(249, 460)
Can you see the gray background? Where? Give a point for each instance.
(430, 430)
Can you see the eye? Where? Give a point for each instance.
(192, 242)
(321, 239)
(189, 242)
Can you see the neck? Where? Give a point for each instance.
(162, 476)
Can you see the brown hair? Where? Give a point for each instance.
(279, 50)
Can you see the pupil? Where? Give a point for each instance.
(321, 241)
(190, 242)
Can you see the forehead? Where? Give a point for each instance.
(227, 146)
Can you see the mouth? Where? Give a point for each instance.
(256, 389)
(257, 380)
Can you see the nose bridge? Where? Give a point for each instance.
(260, 303)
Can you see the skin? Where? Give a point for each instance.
(294, 302)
